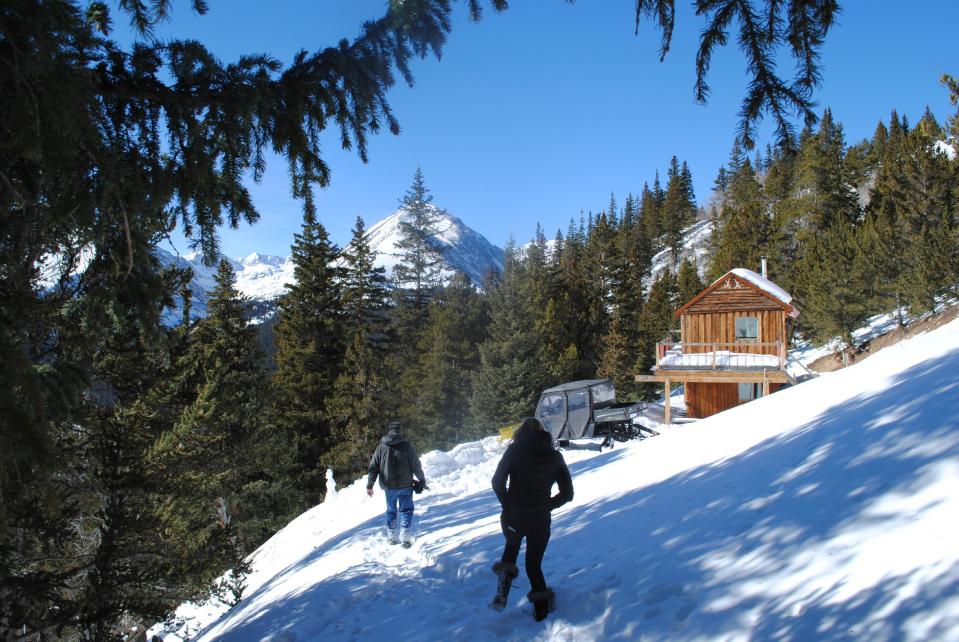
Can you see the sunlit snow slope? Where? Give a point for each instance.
(827, 511)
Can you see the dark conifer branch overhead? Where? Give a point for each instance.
(765, 27)
(195, 126)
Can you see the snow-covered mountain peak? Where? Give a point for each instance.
(463, 248)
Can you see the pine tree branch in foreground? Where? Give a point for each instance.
(765, 28)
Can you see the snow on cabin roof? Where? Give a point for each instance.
(760, 283)
(763, 284)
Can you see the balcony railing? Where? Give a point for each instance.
(739, 355)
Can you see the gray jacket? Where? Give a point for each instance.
(395, 462)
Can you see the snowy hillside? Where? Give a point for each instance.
(826, 511)
(463, 248)
(695, 247)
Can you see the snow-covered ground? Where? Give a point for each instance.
(875, 326)
(826, 511)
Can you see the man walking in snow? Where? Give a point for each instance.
(532, 466)
(395, 462)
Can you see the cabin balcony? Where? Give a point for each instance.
(740, 361)
(740, 355)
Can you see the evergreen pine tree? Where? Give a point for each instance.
(612, 211)
(785, 220)
(910, 221)
(688, 283)
(657, 323)
(679, 207)
(835, 299)
(309, 342)
(829, 266)
(205, 463)
(455, 329)
(360, 407)
(419, 271)
(952, 86)
(650, 206)
(602, 261)
(364, 290)
(511, 373)
(823, 181)
(79, 549)
(628, 297)
(742, 233)
(617, 360)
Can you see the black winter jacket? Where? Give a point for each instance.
(395, 462)
(532, 466)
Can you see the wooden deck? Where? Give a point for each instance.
(739, 362)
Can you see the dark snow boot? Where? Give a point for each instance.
(505, 574)
(543, 603)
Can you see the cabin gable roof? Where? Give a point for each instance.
(740, 290)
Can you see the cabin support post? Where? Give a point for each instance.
(765, 383)
(667, 413)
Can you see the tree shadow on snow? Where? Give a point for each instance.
(763, 509)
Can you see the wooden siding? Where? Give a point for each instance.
(733, 296)
(705, 399)
(720, 327)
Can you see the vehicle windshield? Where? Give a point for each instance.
(552, 411)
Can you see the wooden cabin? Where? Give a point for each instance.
(733, 346)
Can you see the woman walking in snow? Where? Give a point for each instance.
(531, 465)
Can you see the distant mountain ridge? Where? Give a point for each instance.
(262, 278)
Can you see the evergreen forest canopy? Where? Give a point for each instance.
(131, 454)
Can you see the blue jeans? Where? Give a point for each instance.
(404, 498)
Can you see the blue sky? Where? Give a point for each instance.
(538, 113)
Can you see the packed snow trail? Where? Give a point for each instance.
(824, 512)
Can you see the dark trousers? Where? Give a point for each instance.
(535, 530)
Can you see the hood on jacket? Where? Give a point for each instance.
(393, 437)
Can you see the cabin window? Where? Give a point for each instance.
(747, 328)
(750, 391)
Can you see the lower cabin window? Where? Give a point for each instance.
(750, 391)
